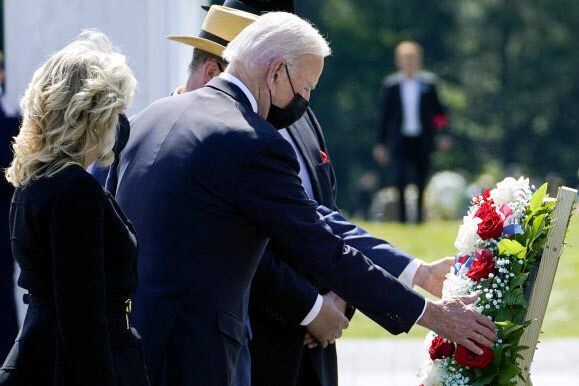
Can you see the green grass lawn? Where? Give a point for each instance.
(435, 240)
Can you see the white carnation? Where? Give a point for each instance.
(430, 373)
(503, 194)
(467, 236)
(455, 285)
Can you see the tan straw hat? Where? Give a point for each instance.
(221, 26)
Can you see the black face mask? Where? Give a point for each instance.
(123, 130)
(282, 118)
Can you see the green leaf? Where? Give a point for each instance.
(538, 225)
(523, 347)
(507, 246)
(515, 297)
(513, 327)
(508, 372)
(497, 353)
(485, 380)
(504, 314)
(519, 279)
(538, 197)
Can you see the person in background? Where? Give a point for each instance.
(365, 193)
(76, 249)
(9, 123)
(410, 116)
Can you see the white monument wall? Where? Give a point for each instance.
(36, 28)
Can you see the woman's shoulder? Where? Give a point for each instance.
(71, 187)
(76, 180)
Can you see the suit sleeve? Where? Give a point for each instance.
(80, 283)
(269, 194)
(381, 252)
(384, 111)
(440, 120)
(279, 290)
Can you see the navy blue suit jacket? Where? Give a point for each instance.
(206, 182)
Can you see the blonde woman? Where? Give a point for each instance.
(75, 247)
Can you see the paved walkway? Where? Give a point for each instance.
(379, 362)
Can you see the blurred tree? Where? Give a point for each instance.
(507, 71)
(518, 64)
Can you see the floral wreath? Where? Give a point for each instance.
(499, 243)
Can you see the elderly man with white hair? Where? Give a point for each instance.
(207, 181)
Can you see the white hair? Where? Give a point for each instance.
(275, 35)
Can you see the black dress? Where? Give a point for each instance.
(78, 256)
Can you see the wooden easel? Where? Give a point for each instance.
(545, 276)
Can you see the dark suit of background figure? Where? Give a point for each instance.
(8, 314)
(78, 256)
(413, 152)
(207, 181)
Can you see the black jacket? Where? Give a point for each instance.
(78, 254)
(207, 182)
(8, 317)
(432, 114)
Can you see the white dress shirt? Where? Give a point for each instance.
(406, 277)
(238, 83)
(410, 97)
(303, 174)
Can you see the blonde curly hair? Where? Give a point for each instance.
(71, 108)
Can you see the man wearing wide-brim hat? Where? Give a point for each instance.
(221, 25)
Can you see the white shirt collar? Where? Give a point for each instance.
(243, 88)
(405, 78)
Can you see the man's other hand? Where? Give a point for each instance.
(430, 276)
(381, 155)
(329, 323)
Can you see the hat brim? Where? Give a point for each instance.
(202, 44)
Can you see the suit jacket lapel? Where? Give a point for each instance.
(398, 92)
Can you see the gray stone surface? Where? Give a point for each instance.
(379, 362)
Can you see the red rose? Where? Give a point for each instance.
(440, 348)
(469, 359)
(491, 227)
(483, 266)
(484, 211)
(486, 195)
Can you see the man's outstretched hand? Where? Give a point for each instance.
(430, 276)
(455, 321)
